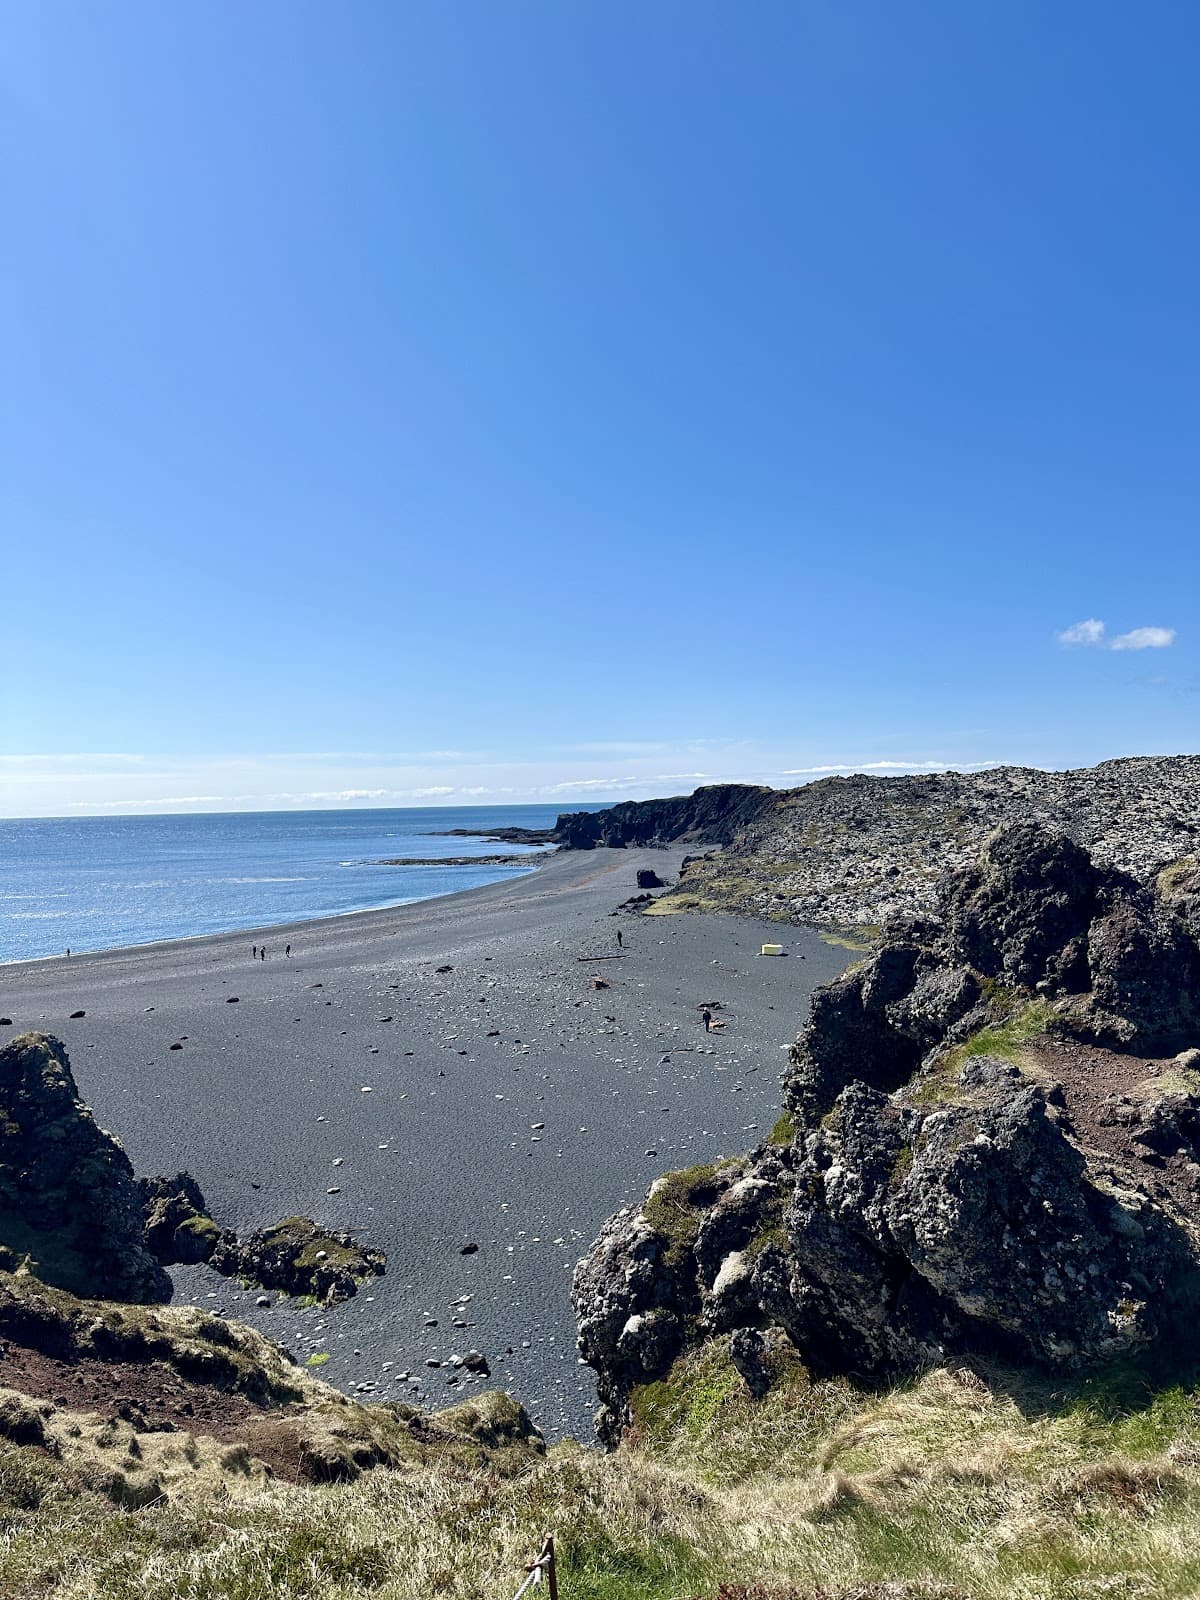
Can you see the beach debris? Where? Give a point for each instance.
(263, 1300)
(366, 1089)
(337, 1161)
(6, 1022)
(175, 1046)
(316, 986)
(476, 1362)
(231, 1000)
(443, 969)
(468, 1249)
(333, 1191)
(772, 950)
(623, 956)
(75, 1015)
(601, 983)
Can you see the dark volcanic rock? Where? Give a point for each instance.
(179, 1229)
(1026, 899)
(876, 1024)
(857, 852)
(712, 815)
(647, 878)
(299, 1258)
(68, 1197)
(935, 1201)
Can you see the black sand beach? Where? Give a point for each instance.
(505, 1103)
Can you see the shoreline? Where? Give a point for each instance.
(518, 871)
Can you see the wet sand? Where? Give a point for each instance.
(505, 1103)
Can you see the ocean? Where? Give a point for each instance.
(95, 883)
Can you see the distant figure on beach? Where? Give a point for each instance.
(287, 950)
(68, 950)
(262, 954)
(620, 938)
(706, 1019)
(254, 952)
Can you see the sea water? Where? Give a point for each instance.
(95, 883)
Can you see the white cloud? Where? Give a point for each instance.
(1089, 632)
(1092, 632)
(615, 785)
(890, 766)
(1144, 639)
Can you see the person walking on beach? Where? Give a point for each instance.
(287, 950)
(706, 1018)
(620, 938)
(254, 952)
(262, 954)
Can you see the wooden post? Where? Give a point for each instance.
(551, 1572)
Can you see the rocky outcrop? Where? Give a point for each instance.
(295, 1256)
(943, 1194)
(859, 852)
(68, 1197)
(179, 1229)
(712, 815)
(299, 1258)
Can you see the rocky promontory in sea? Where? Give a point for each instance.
(853, 852)
(990, 1145)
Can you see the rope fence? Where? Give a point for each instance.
(541, 1570)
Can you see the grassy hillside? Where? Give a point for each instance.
(967, 1483)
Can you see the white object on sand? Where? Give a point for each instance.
(772, 950)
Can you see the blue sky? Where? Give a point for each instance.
(486, 401)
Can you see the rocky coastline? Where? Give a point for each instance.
(851, 853)
(990, 1145)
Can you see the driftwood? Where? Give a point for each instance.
(620, 957)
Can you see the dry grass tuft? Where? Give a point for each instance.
(964, 1483)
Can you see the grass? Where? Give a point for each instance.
(858, 938)
(676, 1207)
(970, 1483)
(1006, 1039)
